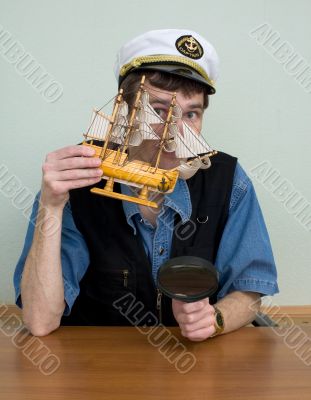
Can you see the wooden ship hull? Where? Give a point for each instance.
(117, 168)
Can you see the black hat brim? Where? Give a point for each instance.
(176, 69)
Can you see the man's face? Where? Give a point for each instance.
(192, 114)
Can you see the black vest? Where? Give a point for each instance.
(118, 261)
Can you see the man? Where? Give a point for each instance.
(107, 248)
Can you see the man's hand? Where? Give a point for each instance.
(65, 169)
(196, 320)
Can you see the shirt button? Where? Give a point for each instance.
(161, 250)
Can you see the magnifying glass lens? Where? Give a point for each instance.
(188, 278)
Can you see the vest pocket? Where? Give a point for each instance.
(109, 283)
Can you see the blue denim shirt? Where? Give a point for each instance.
(244, 259)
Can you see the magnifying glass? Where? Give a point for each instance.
(187, 278)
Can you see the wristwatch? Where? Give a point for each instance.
(219, 322)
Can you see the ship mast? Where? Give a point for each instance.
(165, 131)
(111, 124)
(133, 115)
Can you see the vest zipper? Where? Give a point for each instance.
(125, 277)
(159, 305)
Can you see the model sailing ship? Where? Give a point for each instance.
(114, 137)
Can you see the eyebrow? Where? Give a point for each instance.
(160, 101)
(167, 103)
(196, 105)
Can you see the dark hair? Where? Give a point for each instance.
(162, 80)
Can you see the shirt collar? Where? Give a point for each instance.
(179, 201)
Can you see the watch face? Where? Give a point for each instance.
(219, 319)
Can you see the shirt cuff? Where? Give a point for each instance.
(265, 288)
(70, 296)
(18, 299)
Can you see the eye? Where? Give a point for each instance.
(161, 113)
(191, 115)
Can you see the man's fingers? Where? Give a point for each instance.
(68, 168)
(76, 174)
(196, 320)
(79, 183)
(76, 162)
(191, 318)
(201, 323)
(60, 188)
(200, 335)
(188, 308)
(70, 151)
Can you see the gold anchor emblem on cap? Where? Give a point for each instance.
(188, 46)
(192, 46)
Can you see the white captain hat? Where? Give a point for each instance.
(180, 52)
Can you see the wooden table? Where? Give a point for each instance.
(121, 363)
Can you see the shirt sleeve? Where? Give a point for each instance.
(245, 260)
(74, 256)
